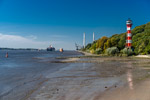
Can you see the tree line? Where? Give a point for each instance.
(116, 43)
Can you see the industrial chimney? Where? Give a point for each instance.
(93, 37)
(84, 40)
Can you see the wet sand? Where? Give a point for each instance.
(97, 78)
(24, 72)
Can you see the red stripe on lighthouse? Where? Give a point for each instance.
(128, 38)
(129, 44)
(129, 31)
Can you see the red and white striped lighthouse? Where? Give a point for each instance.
(129, 35)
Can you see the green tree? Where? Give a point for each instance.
(122, 41)
(100, 43)
(115, 39)
(107, 44)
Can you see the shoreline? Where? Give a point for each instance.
(96, 55)
(95, 78)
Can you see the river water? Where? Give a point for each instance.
(24, 71)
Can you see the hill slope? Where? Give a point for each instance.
(140, 41)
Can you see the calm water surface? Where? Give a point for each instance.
(23, 70)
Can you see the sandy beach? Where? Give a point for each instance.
(97, 78)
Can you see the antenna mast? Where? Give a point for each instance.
(93, 37)
(84, 40)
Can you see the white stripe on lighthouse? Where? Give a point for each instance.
(128, 41)
(128, 28)
(129, 35)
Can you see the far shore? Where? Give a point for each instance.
(95, 55)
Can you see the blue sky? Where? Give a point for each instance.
(39, 23)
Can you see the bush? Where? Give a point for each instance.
(98, 51)
(92, 51)
(93, 47)
(88, 46)
(88, 50)
(112, 51)
(127, 51)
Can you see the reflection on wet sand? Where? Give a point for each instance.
(129, 75)
(129, 79)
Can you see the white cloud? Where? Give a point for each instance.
(32, 37)
(16, 41)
